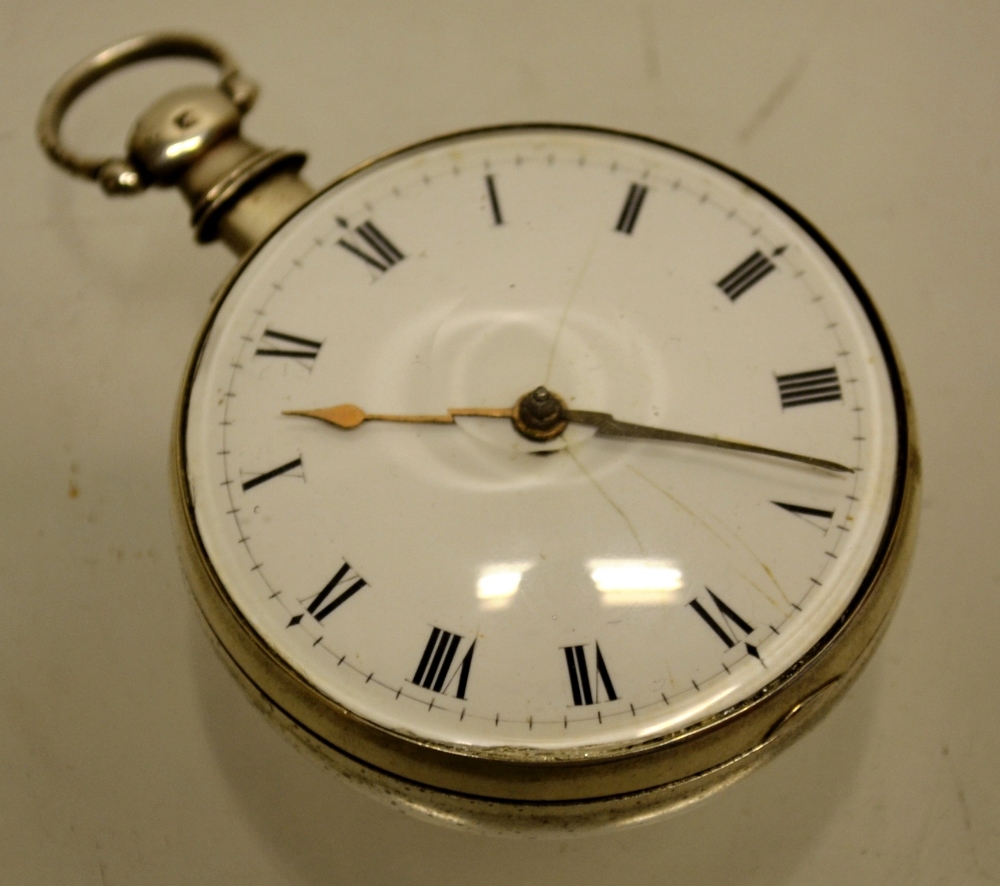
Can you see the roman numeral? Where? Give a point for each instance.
(270, 475)
(813, 516)
(729, 620)
(375, 250)
(319, 607)
(630, 211)
(281, 344)
(579, 676)
(747, 273)
(434, 671)
(491, 190)
(803, 388)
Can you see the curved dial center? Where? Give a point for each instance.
(633, 569)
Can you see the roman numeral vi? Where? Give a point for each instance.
(579, 676)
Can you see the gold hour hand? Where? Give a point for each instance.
(349, 416)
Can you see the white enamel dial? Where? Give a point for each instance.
(470, 587)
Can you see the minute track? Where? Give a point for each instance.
(432, 429)
(539, 720)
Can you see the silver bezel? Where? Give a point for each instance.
(587, 785)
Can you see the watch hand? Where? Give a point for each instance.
(541, 415)
(608, 426)
(349, 416)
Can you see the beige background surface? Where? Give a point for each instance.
(128, 755)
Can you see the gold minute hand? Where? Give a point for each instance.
(608, 426)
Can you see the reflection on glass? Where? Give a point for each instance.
(498, 583)
(626, 582)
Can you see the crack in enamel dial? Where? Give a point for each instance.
(458, 583)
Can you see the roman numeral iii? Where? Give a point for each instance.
(803, 388)
(371, 246)
(435, 670)
(630, 211)
(585, 693)
(347, 582)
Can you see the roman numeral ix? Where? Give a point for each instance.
(803, 388)
(747, 273)
(435, 672)
(630, 211)
(579, 676)
(375, 249)
(321, 605)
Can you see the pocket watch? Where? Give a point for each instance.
(533, 476)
